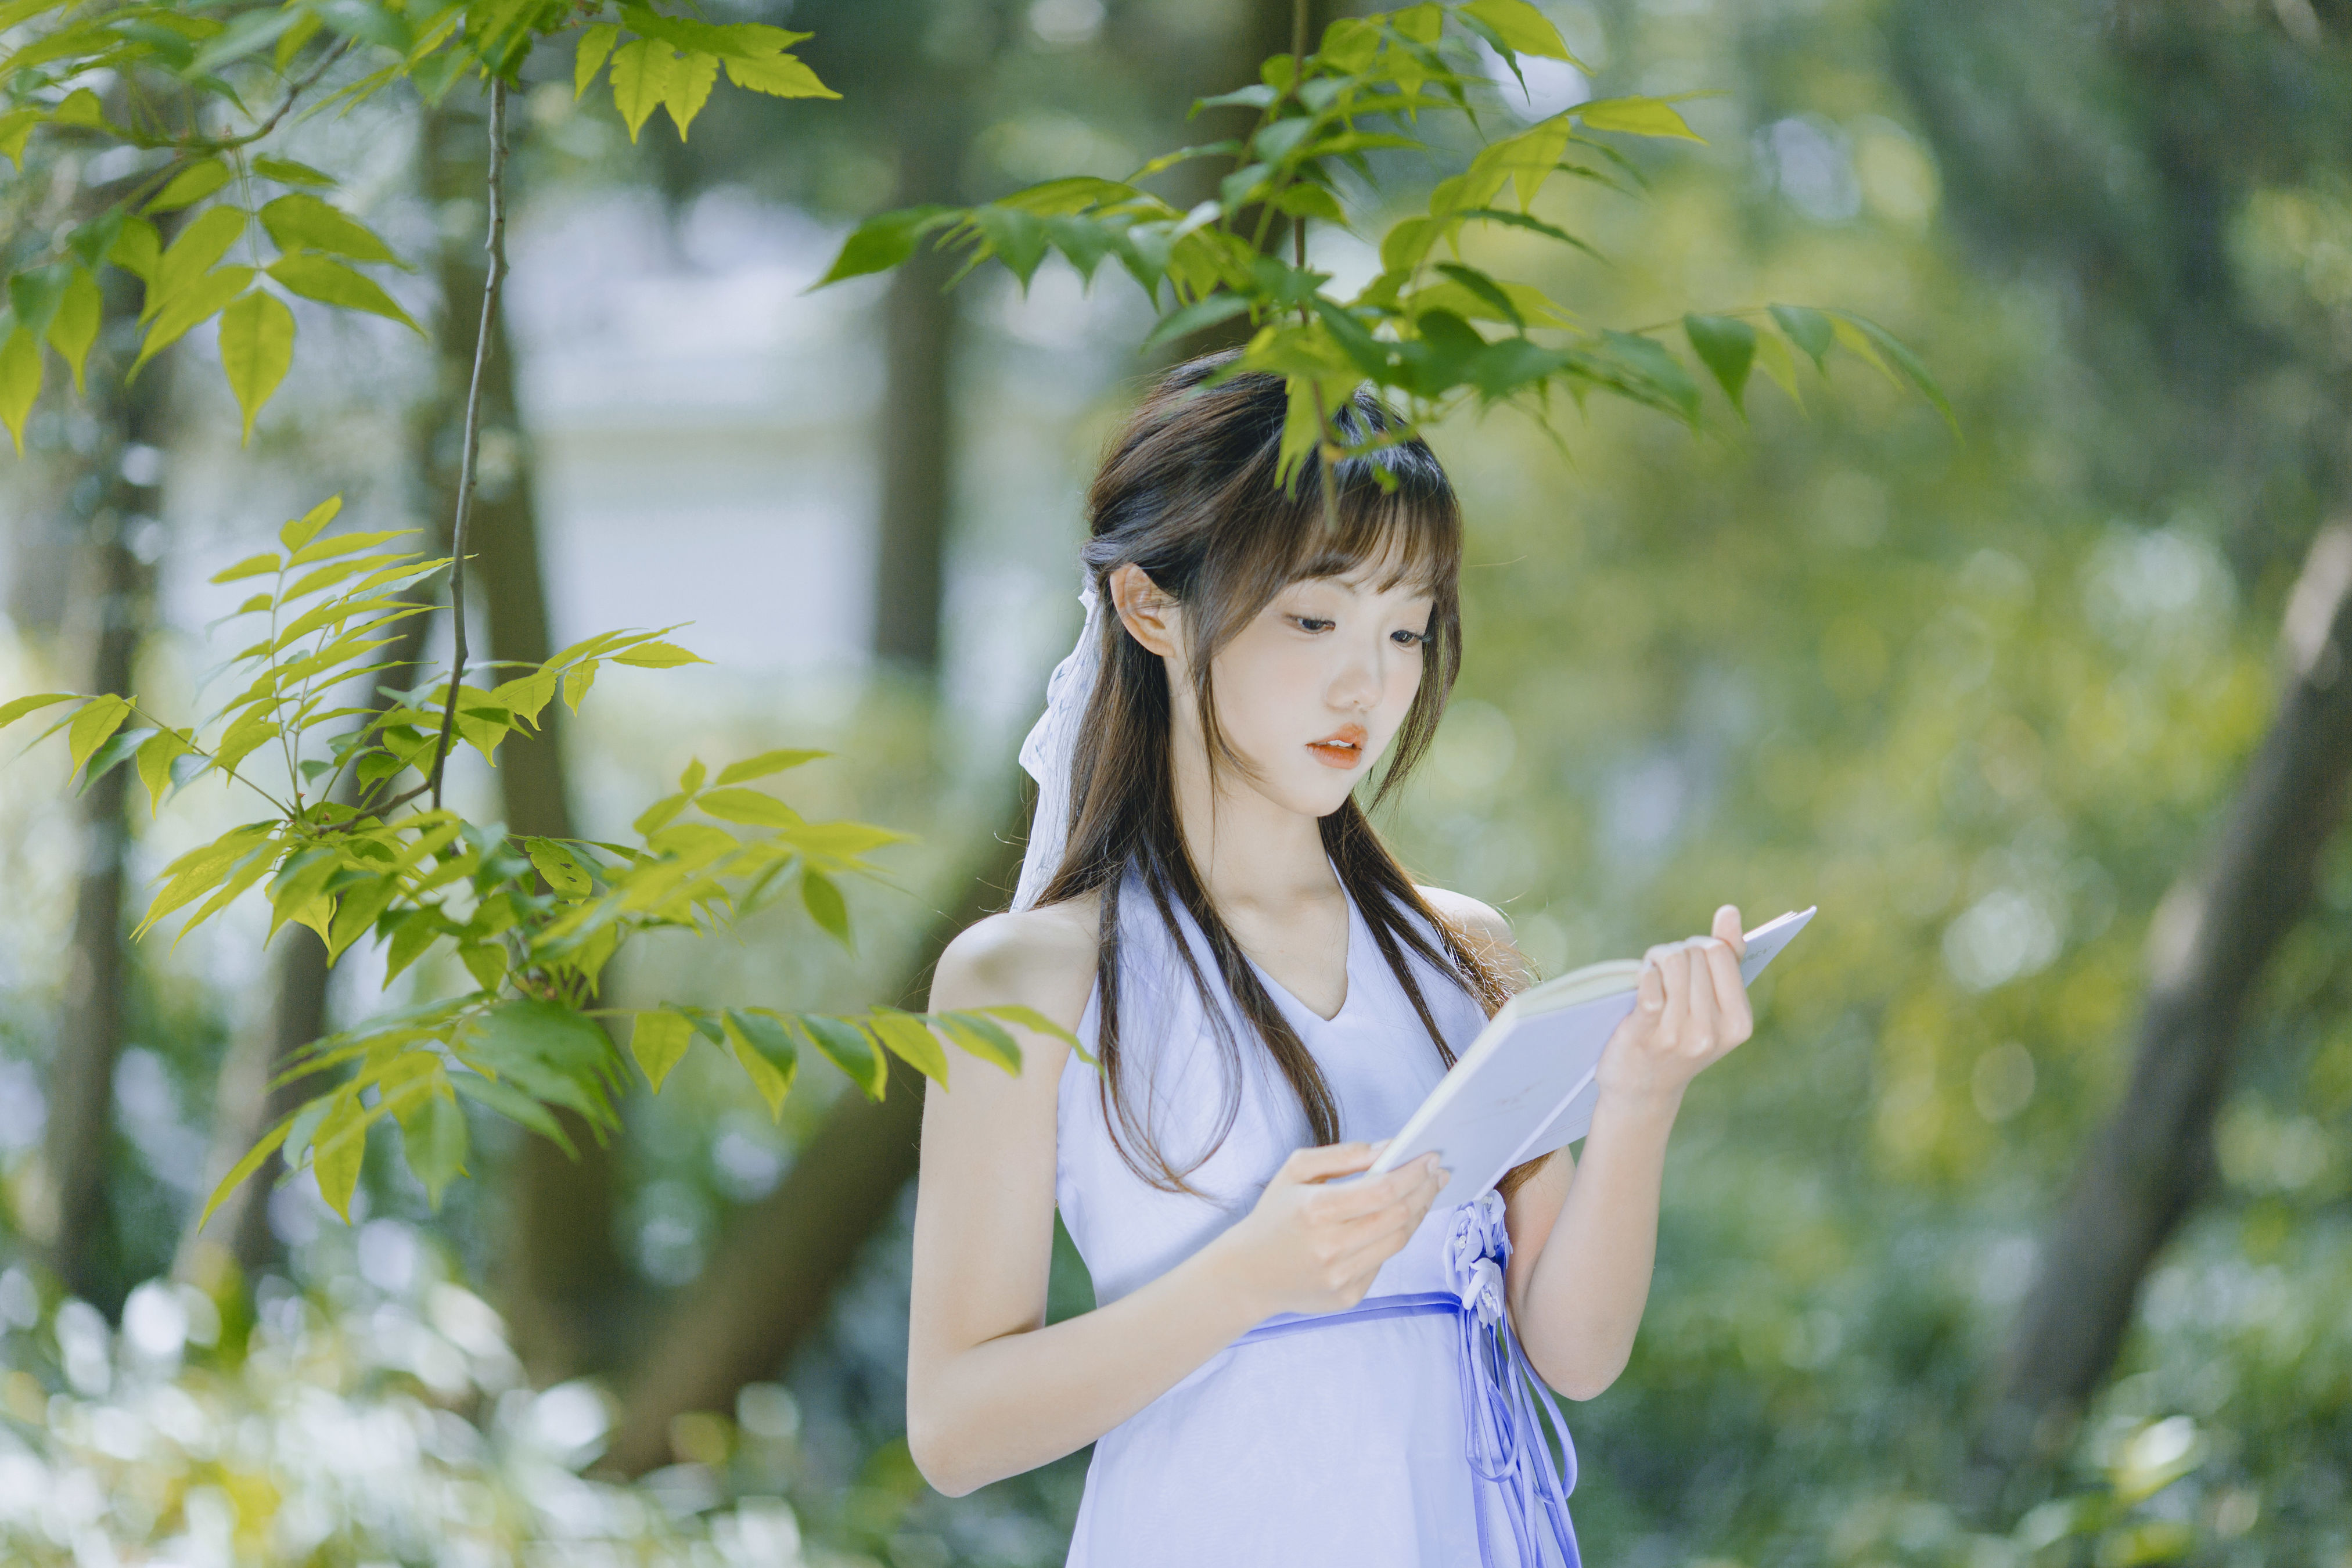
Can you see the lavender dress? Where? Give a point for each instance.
(1401, 1434)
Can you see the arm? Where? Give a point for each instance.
(991, 1390)
(1584, 1234)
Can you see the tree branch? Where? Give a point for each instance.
(497, 245)
(2212, 936)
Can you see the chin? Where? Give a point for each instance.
(1316, 797)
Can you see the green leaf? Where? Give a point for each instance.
(137, 249)
(658, 655)
(588, 59)
(257, 349)
(1808, 329)
(576, 682)
(1909, 362)
(1773, 358)
(765, 1046)
(357, 907)
(1658, 372)
(658, 1041)
(485, 962)
(783, 76)
(315, 276)
(305, 528)
(120, 748)
(550, 1053)
(1727, 346)
(337, 1149)
(188, 307)
(911, 1042)
(286, 171)
(202, 243)
(765, 763)
(1017, 237)
(687, 88)
(656, 816)
(1190, 318)
(341, 544)
(33, 297)
(245, 1166)
(20, 382)
(15, 709)
(80, 108)
(749, 806)
(826, 905)
(556, 864)
(155, 758)
(883, 241)
(848, 1047)
(1635, 117)
(300, 883)
(640, 79)
(101, 718)
(74, 327)
(415, 931)
(1030, 1018)
(300, 219)
(1522, 27)
(251, 566)
(190, 186)
(14, 126)
(1485, 289)
(983, 1037)
(514, 1106)
(434, 1137)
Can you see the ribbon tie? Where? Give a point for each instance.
(1505, 1406)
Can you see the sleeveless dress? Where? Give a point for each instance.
(1400, 1435)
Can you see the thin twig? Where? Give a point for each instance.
(497, 245)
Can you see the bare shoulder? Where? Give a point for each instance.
(1043, 958)
(1482, 926)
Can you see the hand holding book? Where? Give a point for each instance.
(1528, 1083)
(1691, 1011)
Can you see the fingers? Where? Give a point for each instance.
(1339, 1205)
(1323, 1163)
(1738, 1018)
(1702, 1018)
(1672, 962)
(1727, 930)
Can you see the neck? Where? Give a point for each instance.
(1251, 852)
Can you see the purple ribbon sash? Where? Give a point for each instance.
(1505, 1406)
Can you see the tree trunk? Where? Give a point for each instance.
(2213, 936)
(918, 426)
(105, 616)
(780, 1260)
(562, 1281)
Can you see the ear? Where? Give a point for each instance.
(1147, 613)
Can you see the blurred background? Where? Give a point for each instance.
(2018, 1235)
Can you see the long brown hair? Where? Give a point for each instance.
(1187, 492)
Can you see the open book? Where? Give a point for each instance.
(1526, 1086)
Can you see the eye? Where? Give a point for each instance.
(1310, 624)
(1408, 639)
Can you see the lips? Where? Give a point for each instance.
(1342, 748)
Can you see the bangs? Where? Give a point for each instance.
(1393, 539)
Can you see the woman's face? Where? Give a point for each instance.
(1313, 690)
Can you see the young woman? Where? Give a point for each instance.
(1282, 1369)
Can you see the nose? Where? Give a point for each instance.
(1357, 681)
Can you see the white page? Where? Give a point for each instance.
(1525, 1085)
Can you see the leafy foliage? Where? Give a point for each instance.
(1420, 330)
(532, 922)
(172, 85)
